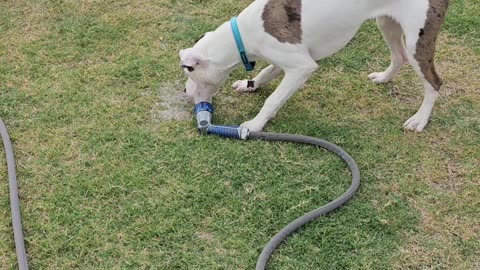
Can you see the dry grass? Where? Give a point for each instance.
(114, 176)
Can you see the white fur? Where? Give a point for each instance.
(265, 76)
(327, 25)
(393, 35)
(420, 119)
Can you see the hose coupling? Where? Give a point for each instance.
(204, 113)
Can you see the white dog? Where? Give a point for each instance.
(292, 34)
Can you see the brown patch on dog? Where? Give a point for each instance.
(283, 20)
(425, 52)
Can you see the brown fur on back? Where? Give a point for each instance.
(283, 20)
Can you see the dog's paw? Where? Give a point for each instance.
(244, 86)
(253, 125)
(379, 77)
(416, 123)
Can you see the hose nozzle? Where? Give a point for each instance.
(204, 112)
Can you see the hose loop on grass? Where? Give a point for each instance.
(271, 245)
(301, 221)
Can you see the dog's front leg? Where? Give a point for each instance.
(293, 80)
(266, 75)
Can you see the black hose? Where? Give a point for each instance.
(14, 200)
(299, 222)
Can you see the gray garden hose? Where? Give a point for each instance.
(204, 115)
(203, 112)
(14, 200)
(299, 222)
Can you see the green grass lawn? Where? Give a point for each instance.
(106, 183)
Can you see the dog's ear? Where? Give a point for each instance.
(198, 39)
(190, 59)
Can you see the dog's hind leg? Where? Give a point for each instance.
(265, 76)
(421, 52)
(393, 35)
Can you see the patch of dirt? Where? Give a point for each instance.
(173, 103)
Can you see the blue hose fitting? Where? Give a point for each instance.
(204, 111)
(232, 132)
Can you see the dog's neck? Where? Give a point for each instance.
(220, 48)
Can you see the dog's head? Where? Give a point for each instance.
(201, 83)
(204, 75)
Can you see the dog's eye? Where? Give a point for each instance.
(189, 68)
